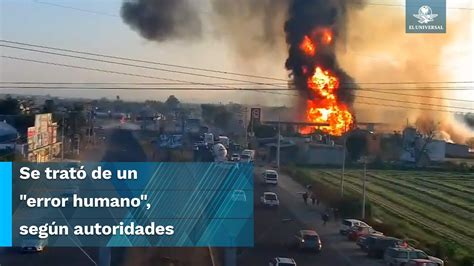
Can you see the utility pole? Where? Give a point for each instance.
(62, 139)
(343, 165)
(278, 143)
(246, 127)
(364, 187)
(346, 134)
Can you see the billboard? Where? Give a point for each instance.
(255, 115)
(41, 138)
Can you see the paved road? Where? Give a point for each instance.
(121, 146)
(275, 227)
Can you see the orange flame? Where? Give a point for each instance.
(308, 47)
(327, 36)
(325, 107)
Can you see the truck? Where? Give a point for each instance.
(219, 152)
(209, 138)
(224, 140)
(247, 156)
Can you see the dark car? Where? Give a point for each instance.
(364, 241)
(307, 239)
(376, 246)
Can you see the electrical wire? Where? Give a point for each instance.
(212, 70)
(110, 71)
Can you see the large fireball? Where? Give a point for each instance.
(323, 107)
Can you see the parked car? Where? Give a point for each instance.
(347, 224)
(307, 240)
(397, 256)
(270, 199)
(279, 261)
(363, 241)
(359, 230)
(235, 157)
(270, 177)
(421, 262)
(376, 245)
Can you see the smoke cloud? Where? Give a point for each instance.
(252, 28)
(162, 20)
(370, 44)
(379, 50)
(310, 17)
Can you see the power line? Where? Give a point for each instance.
(130, 65)
(417, 95)
(114, 72)
(426, 104)
(272, 91)
(226, 83)
(412, 108)
(211, 70)
(143, 61)
(262, 91)
(146, 88)
(76, 9)
(374, 89)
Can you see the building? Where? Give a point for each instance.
(454, 150)
(43, 145)
(320, 154)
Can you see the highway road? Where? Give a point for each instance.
(275, 227)
(121, 146)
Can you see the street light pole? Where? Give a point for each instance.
(278, 144)
(343, 165)
(364, 187)
(62, 140)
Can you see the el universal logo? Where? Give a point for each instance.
(425, 16)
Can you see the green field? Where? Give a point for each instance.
(440, 204)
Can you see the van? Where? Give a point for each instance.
(270, 177)
(347, 224)
(247, 155)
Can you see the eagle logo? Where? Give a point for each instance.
(425, 15)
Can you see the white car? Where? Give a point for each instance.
(347, 224)
(397, 256)
(270, 177)
(270, 199)
(279, 261)
(33, 245)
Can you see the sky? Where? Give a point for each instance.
(34, 22)
(96, 26)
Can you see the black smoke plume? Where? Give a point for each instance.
(306, 17)
(162, 20)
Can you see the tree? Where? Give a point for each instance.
(49, 106)
(9, 106)
(208, 112)
(172, 102)
(427, 128)
(222, 118)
